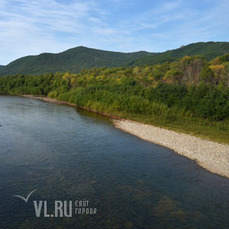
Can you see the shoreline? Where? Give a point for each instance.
(56, 101)
(210, 155)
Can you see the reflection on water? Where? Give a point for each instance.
(71, 155)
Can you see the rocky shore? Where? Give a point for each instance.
(210, 155)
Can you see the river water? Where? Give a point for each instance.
(87, 174)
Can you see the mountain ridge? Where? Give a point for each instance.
(208, 49)
(78, 58)
(72, 60)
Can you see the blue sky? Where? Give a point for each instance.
(30, 27)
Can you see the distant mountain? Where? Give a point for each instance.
(209, 49)
(72, 60)
(0, 68)
(76, 59)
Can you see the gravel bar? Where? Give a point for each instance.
(210, 155)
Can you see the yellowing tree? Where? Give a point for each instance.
(217, 69)
(66, 76)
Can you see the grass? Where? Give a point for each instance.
(205, 129)
(213, 131)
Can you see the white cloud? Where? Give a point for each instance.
(28, 27)
(173, 23)
(35, 26)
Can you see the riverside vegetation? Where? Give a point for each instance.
(190, 94)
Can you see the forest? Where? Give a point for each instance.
(190, 94)
(76, 59)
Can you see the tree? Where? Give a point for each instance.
(207, 75)
(173, 76)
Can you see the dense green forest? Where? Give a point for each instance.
(79, 58)
(189, 95)
(209, 50)
(72, 60)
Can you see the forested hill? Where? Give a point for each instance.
(76, 59)
(209, 49)
(72, 60)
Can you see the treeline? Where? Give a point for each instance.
(34, 85)
(187, 89)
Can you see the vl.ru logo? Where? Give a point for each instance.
(27, 198)
(61, 208)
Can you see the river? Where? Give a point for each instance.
(86, 174)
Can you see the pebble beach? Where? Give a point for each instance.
(210, 155)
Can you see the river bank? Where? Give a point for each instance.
(56, 101)
(210, 155)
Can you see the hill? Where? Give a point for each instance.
(76, 59)
(72, 60)
(208, 49)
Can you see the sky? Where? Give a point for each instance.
(31, 27)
